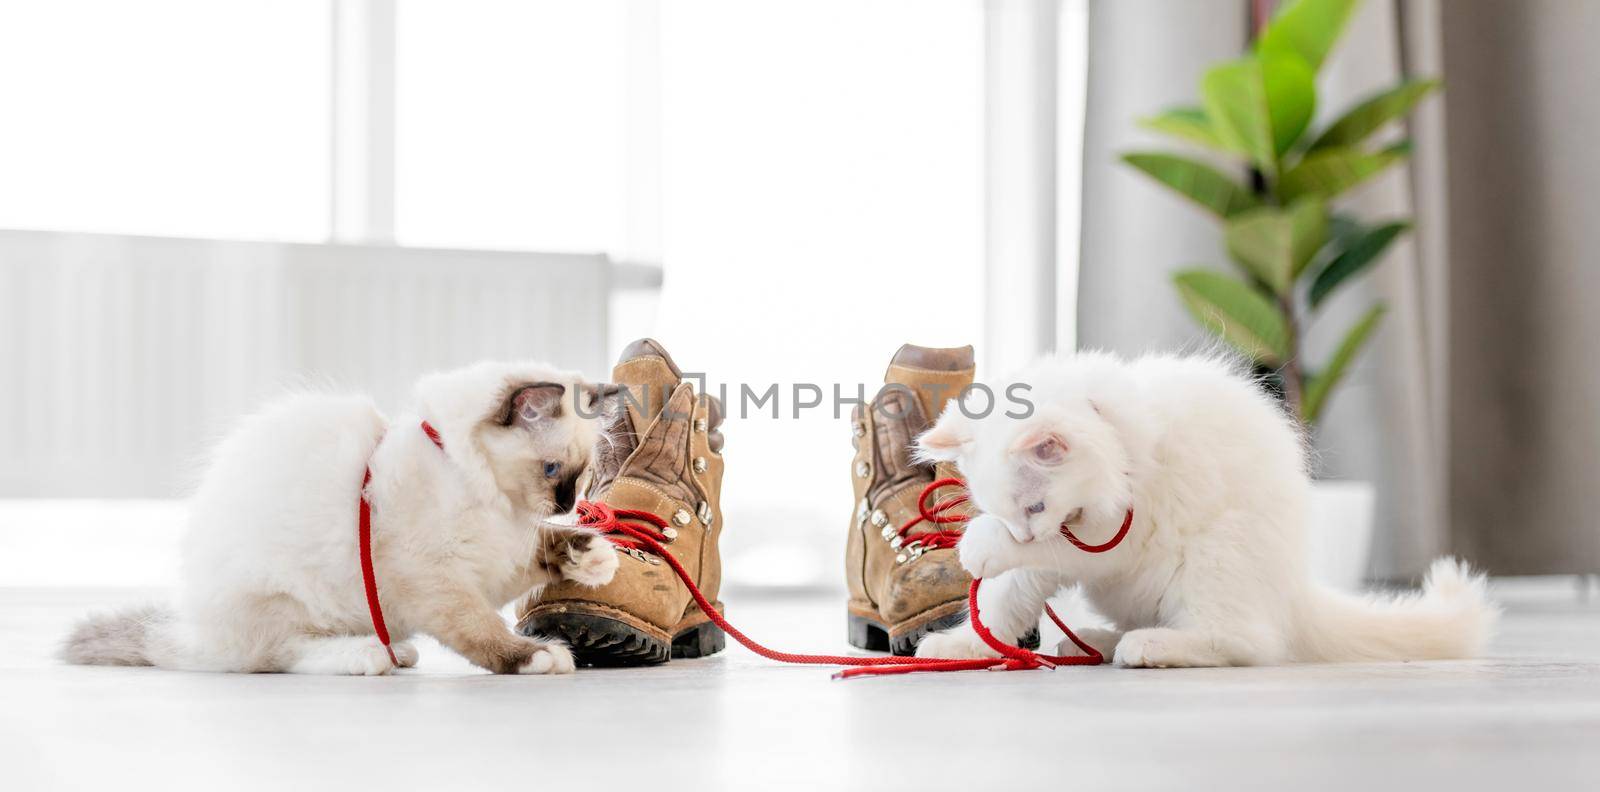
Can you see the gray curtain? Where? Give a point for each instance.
(1524, 223)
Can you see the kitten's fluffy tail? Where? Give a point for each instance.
(1452, 617)
(131, 637)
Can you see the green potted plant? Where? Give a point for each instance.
(1289, 244)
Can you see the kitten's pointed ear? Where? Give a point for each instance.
(1044, 447)
(595, 398)
(530, 404)
(945, 441)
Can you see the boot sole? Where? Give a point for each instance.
(603, 642)
(864, 633)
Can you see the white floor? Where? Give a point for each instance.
(1528, 716)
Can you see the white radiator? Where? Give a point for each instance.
(123, 357)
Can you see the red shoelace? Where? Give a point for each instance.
(941, 513)
(646, 532)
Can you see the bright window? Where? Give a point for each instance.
(822, 204)
(510, 124)
(166, 117)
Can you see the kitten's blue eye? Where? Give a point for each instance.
(1036, 508)
(552, 469)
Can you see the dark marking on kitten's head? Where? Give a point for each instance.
(599, 396)
(565, 491)
(531, 403)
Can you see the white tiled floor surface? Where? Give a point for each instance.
(1528, 717)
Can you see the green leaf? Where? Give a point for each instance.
(1318, 387)
(1236, 101)
(1400, 149)
(1367, 117)
(1188, 123)
(1360, 253)
(1291, 98)
(1260, 105)
(1196, 181)
(1344, 229)
(1328, 172)
(1276, 244)
(1244, 317)
(1308, 29)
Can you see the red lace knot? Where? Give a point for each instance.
(937, 513)
(608, 521)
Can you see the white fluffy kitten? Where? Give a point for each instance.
(1213, 572)
(271, 576)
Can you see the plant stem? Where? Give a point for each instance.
(1293, 386)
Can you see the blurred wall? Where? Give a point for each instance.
(1523, 107)
(125, 357)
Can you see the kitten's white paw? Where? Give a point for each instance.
(594, 566)
(350, 655)
(406, 653)
(550, 658)
(1103, 641)
(987, 549)
(1155, 648)
(958, 644)
(370, 660)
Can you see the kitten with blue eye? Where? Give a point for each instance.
(271, 578)
(1212, 571)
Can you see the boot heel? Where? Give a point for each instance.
(863, 634)
(701, 640)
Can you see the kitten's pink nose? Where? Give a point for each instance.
(1019, 532)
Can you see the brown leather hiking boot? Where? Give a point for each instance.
(901, 590)
(662, 455)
